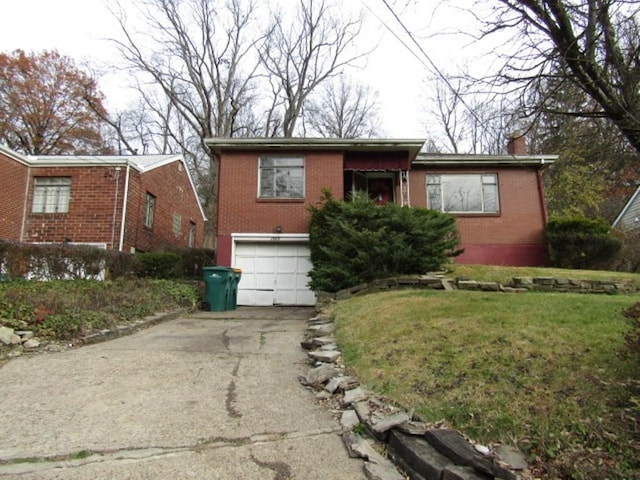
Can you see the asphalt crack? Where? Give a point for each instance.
(30, 465)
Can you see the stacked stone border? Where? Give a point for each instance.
(21, 342)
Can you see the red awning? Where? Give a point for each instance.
(376, 161)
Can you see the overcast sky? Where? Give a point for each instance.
(78, 28)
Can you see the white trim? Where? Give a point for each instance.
(270, 237)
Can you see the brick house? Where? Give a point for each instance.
(126, 203)
(266, 186)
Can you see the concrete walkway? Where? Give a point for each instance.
(205, 396)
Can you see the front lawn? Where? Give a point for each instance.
(541, 371)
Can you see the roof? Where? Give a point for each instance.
(465, 160)
(413, 146)
(629, 216)
(142, 163)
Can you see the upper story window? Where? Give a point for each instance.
(51, 195)
(149, 210)
(463, 193)
(281, 177)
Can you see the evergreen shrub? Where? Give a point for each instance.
(580, 243)
(357, 241)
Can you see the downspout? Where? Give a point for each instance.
(115, 208)
(125, 200)
(408, 189)
(24, 204)
(543, 204)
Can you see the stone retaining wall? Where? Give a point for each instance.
(517, 284)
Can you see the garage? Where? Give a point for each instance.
(274, 270)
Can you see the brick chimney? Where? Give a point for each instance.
(517, 145)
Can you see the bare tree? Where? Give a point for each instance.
(447, 110)
(198, 61)
(343, 109)
(470, 123)
(594, 44)
(299, 54)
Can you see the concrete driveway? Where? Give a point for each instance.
(205, 396)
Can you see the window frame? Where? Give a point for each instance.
(486, 181)
(46, 189)
(149, 210)
(176, 223)
(263, 169)
(191, 241)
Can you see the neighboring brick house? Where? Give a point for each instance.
(126, 203)
(267, 185)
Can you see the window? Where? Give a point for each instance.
(177, 223)
(51, 195)
(463, 193)
(192, 234)
(281, 177)
(149, 209)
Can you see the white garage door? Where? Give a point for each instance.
(273, 273)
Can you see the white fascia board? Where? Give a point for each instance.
(15, 155)
(412, 145)
(478, 160)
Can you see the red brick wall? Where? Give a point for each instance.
(91, 207)
(515, 236)
(170, 185)
(92, 218)
(240, 210)
(12, 196)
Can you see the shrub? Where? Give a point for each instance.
(61, 261)
(357, 241)
(159, 265)
(580, 243)
(194, 259)
(628, 257)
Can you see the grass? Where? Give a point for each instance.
(540, 371)
(491, 273)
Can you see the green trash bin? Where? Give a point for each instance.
(235, 275)
(218, 287)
